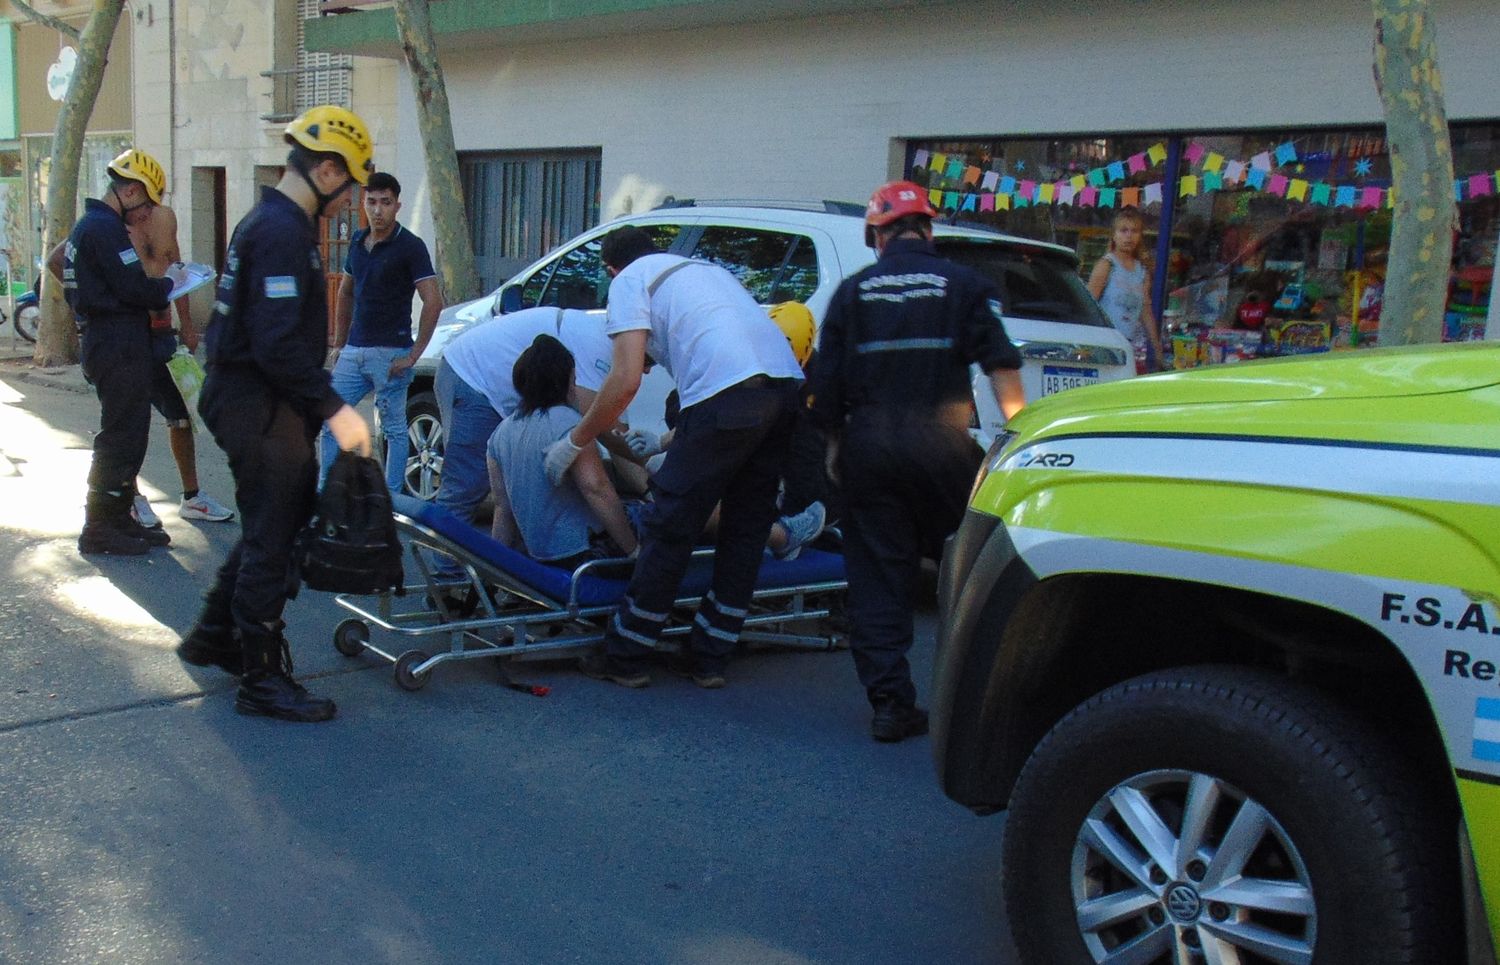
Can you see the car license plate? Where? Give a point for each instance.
(1056, 378)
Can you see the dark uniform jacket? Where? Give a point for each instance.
(270, 319)
(103, 280)
(902, 333)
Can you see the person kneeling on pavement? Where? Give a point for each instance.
(569, 524)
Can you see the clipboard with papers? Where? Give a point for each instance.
(189, 277)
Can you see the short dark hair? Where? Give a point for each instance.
(304, 160)
(542, 375)
(384, 181)
(624, 245)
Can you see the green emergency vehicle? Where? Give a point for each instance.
(1225, 644)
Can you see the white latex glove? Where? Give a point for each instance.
(350, 431)
(643, 442)
(653, 465)
(558, 457)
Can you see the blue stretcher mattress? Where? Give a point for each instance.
(811, 566)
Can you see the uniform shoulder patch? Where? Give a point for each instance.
(601, 365)
(281, 286)
(129, 257)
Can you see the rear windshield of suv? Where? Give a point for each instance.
(1033, 284)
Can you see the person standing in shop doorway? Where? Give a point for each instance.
(155, 241)
(890, 386)
(112, 297)
(264, 399)
(373, 346)
(1122, 285)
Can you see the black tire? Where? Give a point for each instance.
(28, 321)
(350, 637)
(406, 678)
(424, 433)
(1375, 851)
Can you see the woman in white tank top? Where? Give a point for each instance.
(1121, 284)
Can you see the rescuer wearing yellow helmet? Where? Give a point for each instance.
(265, 398)
(110, 294)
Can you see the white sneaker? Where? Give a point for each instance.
(802, 529)
(140, 511)
(204, 506)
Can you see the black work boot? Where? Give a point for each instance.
(211, 644)
(895, 721)
(267, 687)
(153, 535)
(101, 530)
(601, 666)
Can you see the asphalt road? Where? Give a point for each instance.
(143, 820)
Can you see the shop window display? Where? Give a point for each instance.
(1277, 239)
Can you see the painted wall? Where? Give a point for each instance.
(818, 108)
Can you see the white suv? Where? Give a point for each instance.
(797, 252)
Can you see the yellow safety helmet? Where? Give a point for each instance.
(133, 165)
(336, 130)
(796, 323)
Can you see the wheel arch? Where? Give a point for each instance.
(1072, 635)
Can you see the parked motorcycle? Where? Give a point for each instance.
(28, 313)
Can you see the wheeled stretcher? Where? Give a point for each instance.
(518, 608)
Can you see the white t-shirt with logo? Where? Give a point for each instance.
(484, 355)
(705, 329)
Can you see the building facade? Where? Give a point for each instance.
(1257, 122)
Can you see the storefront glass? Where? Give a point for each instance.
(1275, 236)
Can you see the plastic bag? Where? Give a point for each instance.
(187, 374)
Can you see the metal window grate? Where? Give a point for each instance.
(523, 204)
(322, 78)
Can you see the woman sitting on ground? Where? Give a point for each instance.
(567, 525)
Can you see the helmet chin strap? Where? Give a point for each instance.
(324, 200)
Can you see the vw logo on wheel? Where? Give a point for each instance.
(1183, 903)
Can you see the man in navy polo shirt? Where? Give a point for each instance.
(385, 265)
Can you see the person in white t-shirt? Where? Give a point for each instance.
(475, 390)
(738, 382)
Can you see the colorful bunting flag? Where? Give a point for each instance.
(1136, 163)
(1194, 152)
(1107, 197)
(1116, 171)
(1089, 196)
(1028, 190)
(970, 201)
(1002, 202)
(1261, 161)
(1131, 197)
(987, 202)
(1297, 190)
(919, 159)
(1276, 184)
(1481, 185)
(1370, 198)
(1212, 181)
(1345, 196)
(1153, 193)
(1214, 162)
(939, 161)
(1096, 178)
(1157, 153)
(955, 168)
(971, 175)
(1234, 172)
(1065, 193)
(1045, 193)
(1007, 185)
(1286, 153)
(1256, 178)
(990, 180)
(1320, 193)
(1458, 190)
(1077, 182)
(950, 200)
(935, 198)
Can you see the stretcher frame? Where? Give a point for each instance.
(530, 624)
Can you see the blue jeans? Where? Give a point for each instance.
(359, 371)
(468, 422)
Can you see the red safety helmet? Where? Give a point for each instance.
(893, 201)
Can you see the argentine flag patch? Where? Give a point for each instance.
(281, 286)
(129, 257)
(1487, 729)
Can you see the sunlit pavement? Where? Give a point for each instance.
(142, 820)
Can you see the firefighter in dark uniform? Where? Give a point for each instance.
(891, 387)
(110, 296)
(266, 397)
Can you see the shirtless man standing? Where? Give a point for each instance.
(155, 241)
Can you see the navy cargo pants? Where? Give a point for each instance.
(906, 482)
(728, 450)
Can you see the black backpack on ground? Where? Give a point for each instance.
(351, 545)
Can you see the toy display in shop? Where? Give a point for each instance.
(1293, 298)
(1468, 304)
(1252, 312)
(1301, 336)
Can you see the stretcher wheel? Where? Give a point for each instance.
(406, 678)
(350, 637)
